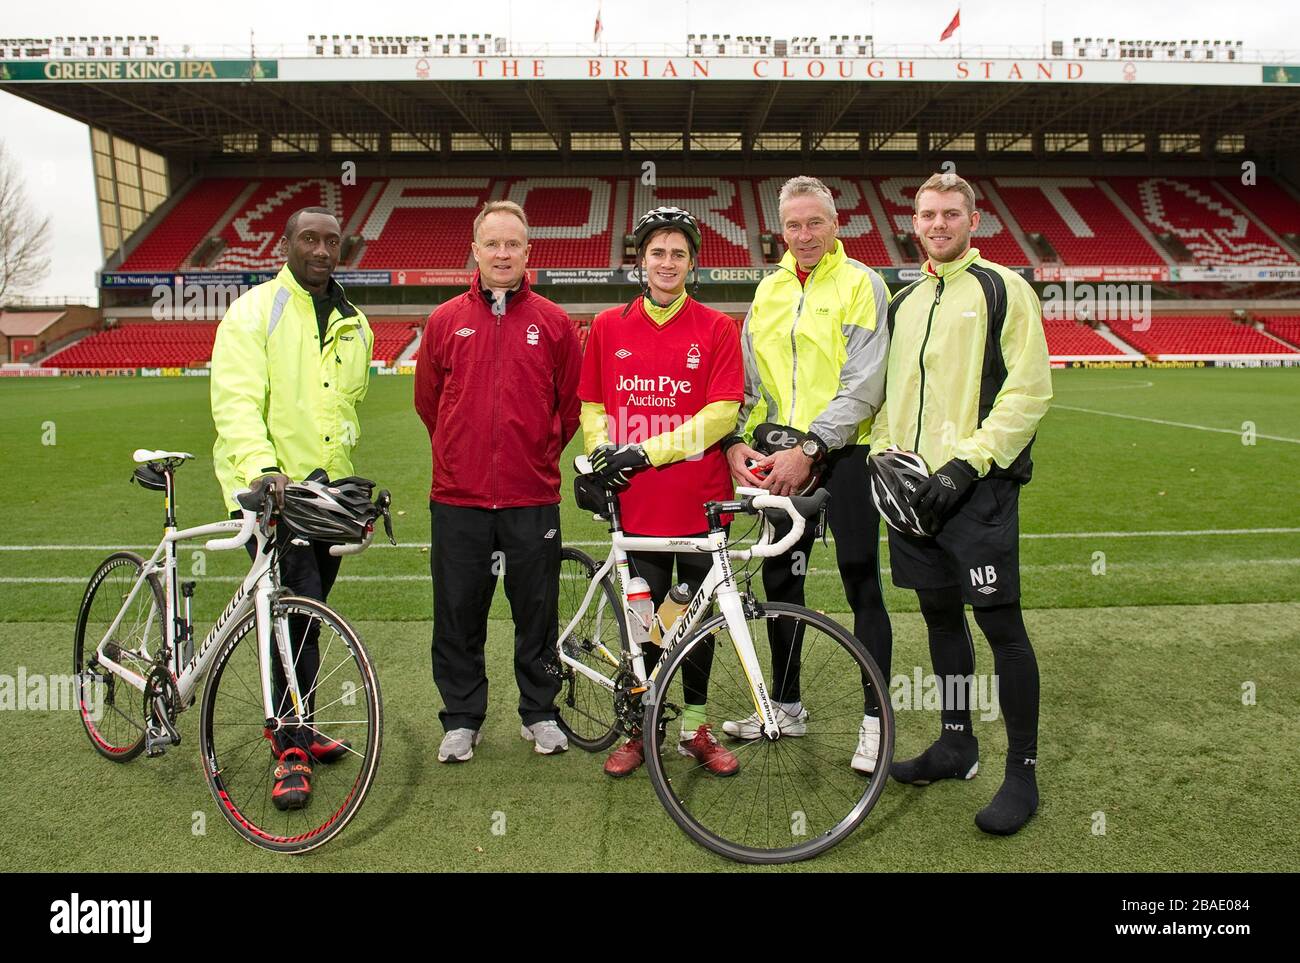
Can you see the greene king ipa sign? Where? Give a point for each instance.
(128, 70)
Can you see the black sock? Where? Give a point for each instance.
(1015, 802)
(955, 755)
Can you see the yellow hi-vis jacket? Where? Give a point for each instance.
(815, 353)
(282, 401)
(969, 375)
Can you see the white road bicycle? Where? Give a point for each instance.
(138, 667)
(795, 795)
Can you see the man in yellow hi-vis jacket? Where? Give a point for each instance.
(290, 364)
(814, 346)
(968, 382)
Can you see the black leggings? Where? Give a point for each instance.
(1014, 663)
(308, 570)
(692, 567)
(855, 523)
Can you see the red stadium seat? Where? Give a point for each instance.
(188, 223)
(1077, 218)
(1198, 335)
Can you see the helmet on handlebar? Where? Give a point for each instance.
(338, 511)
(895, 477)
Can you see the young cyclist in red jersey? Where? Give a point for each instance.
(662, 382)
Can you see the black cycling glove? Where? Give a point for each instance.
(939, 495)
(615, 466)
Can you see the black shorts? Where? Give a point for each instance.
(978, 550)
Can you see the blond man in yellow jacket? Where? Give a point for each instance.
(967, 383)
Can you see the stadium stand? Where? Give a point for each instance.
(142, 345)
(1286, 328)
(252, 235)
(570, 219)
(392, 335)
(1206, 221)
(717, 203)
(1199, 336)
(1268, 201)
(188, 223)
(423, 223)
(413, 223)
(1072, 338)
(1077, 219)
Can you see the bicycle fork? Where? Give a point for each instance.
(733, 609)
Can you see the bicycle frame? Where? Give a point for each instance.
(719, 584)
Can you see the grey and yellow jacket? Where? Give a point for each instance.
(815, 353)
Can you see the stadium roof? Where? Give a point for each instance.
(196, 110)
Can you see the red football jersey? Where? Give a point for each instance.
(651, 379)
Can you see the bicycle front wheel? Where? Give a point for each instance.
(344, 709)
(586, 707)
(795, 796)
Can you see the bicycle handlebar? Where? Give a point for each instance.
(236, 540)
(356, 549)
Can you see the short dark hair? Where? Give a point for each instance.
(291, 225)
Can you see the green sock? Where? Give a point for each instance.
(692, 718)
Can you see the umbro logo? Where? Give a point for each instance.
(622, 353)
(465, 332)
(947, 482)
(551, 534)
(986, 590)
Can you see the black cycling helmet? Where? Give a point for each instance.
(667, 217)
(895, 477)
(658, 219)
(339, 511)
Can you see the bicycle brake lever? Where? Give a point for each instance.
(264, 517)
(383, 501)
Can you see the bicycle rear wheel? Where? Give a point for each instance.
(112, 710)
(586, 707)
(239, 749)
(795, 796)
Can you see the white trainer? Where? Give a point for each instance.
(868, 751)
(751, 727)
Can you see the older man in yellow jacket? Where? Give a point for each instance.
(967, 383)
(290, 364)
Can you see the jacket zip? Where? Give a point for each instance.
(920, 410)
(794, 344)
(496, 402)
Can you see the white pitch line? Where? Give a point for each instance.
(1025, 536)
(815, 572)
(1174, 424)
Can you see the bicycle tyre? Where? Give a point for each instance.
(232, 733)
(586, 708)
(807, 769)
(120, 734)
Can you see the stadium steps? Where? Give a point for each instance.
(620, 217)
(750, 207)
(1103, 330)
(881, 221)
(1009, 221)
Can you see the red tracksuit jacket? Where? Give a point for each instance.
(499, 395)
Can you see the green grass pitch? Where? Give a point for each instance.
(1161, 572)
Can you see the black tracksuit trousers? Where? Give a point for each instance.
(471, 547)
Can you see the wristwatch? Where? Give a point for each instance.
(812, 449)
